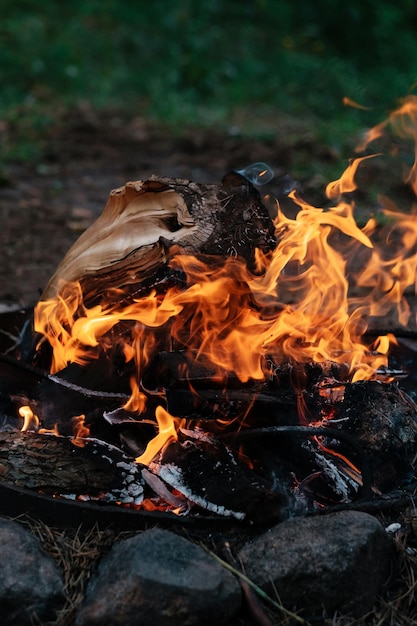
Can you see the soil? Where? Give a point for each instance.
(45, 206)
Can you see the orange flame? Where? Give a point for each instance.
(50, 431)
(81, 431)
(355, 105)
(309, 300)
(29, 418)
(167, 431)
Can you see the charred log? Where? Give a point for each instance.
(384, 421)
(142, 220)
(195, 389)
(306, 432)
(212, 477)
(55, 465)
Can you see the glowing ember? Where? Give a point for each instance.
(309, 300)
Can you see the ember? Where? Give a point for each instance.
(242, 360)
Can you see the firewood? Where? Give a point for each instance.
(56, 466)
(129, 242)
(383, 419)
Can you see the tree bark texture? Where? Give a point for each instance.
(55, 464)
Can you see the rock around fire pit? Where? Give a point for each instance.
(320, 565)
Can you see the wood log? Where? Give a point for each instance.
(141, 221)
(56, 465)
(383, 419)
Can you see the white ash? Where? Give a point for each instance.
(392, 529)
(161, 489)
(341, 482)
(198, 434)
(69, 496)
(132, 491)
(126, 466)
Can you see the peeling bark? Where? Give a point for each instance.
(130, 241)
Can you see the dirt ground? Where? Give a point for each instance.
(45, 206)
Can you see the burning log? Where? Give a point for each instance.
(218, 394)
(130, 241)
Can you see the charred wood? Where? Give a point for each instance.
(197, 390)
(212, 477)
(307, 432)
(143, 219)
(56, 465)
(384, 421)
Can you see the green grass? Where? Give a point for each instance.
(205, 63)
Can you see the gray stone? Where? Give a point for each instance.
(31, 587)
(320, 565)
(159, 578)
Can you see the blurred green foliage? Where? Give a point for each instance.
(202, 60)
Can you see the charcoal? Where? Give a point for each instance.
(383, 418)
(212, 477)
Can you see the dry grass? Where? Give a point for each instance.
(76, 553)
(398, 605)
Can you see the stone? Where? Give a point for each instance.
(321, 565)
(158, 577)
(31, 586)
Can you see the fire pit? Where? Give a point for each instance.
(228, 360)
(214, 357)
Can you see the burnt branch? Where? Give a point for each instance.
(308, 431)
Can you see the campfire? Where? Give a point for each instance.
(219, 351)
